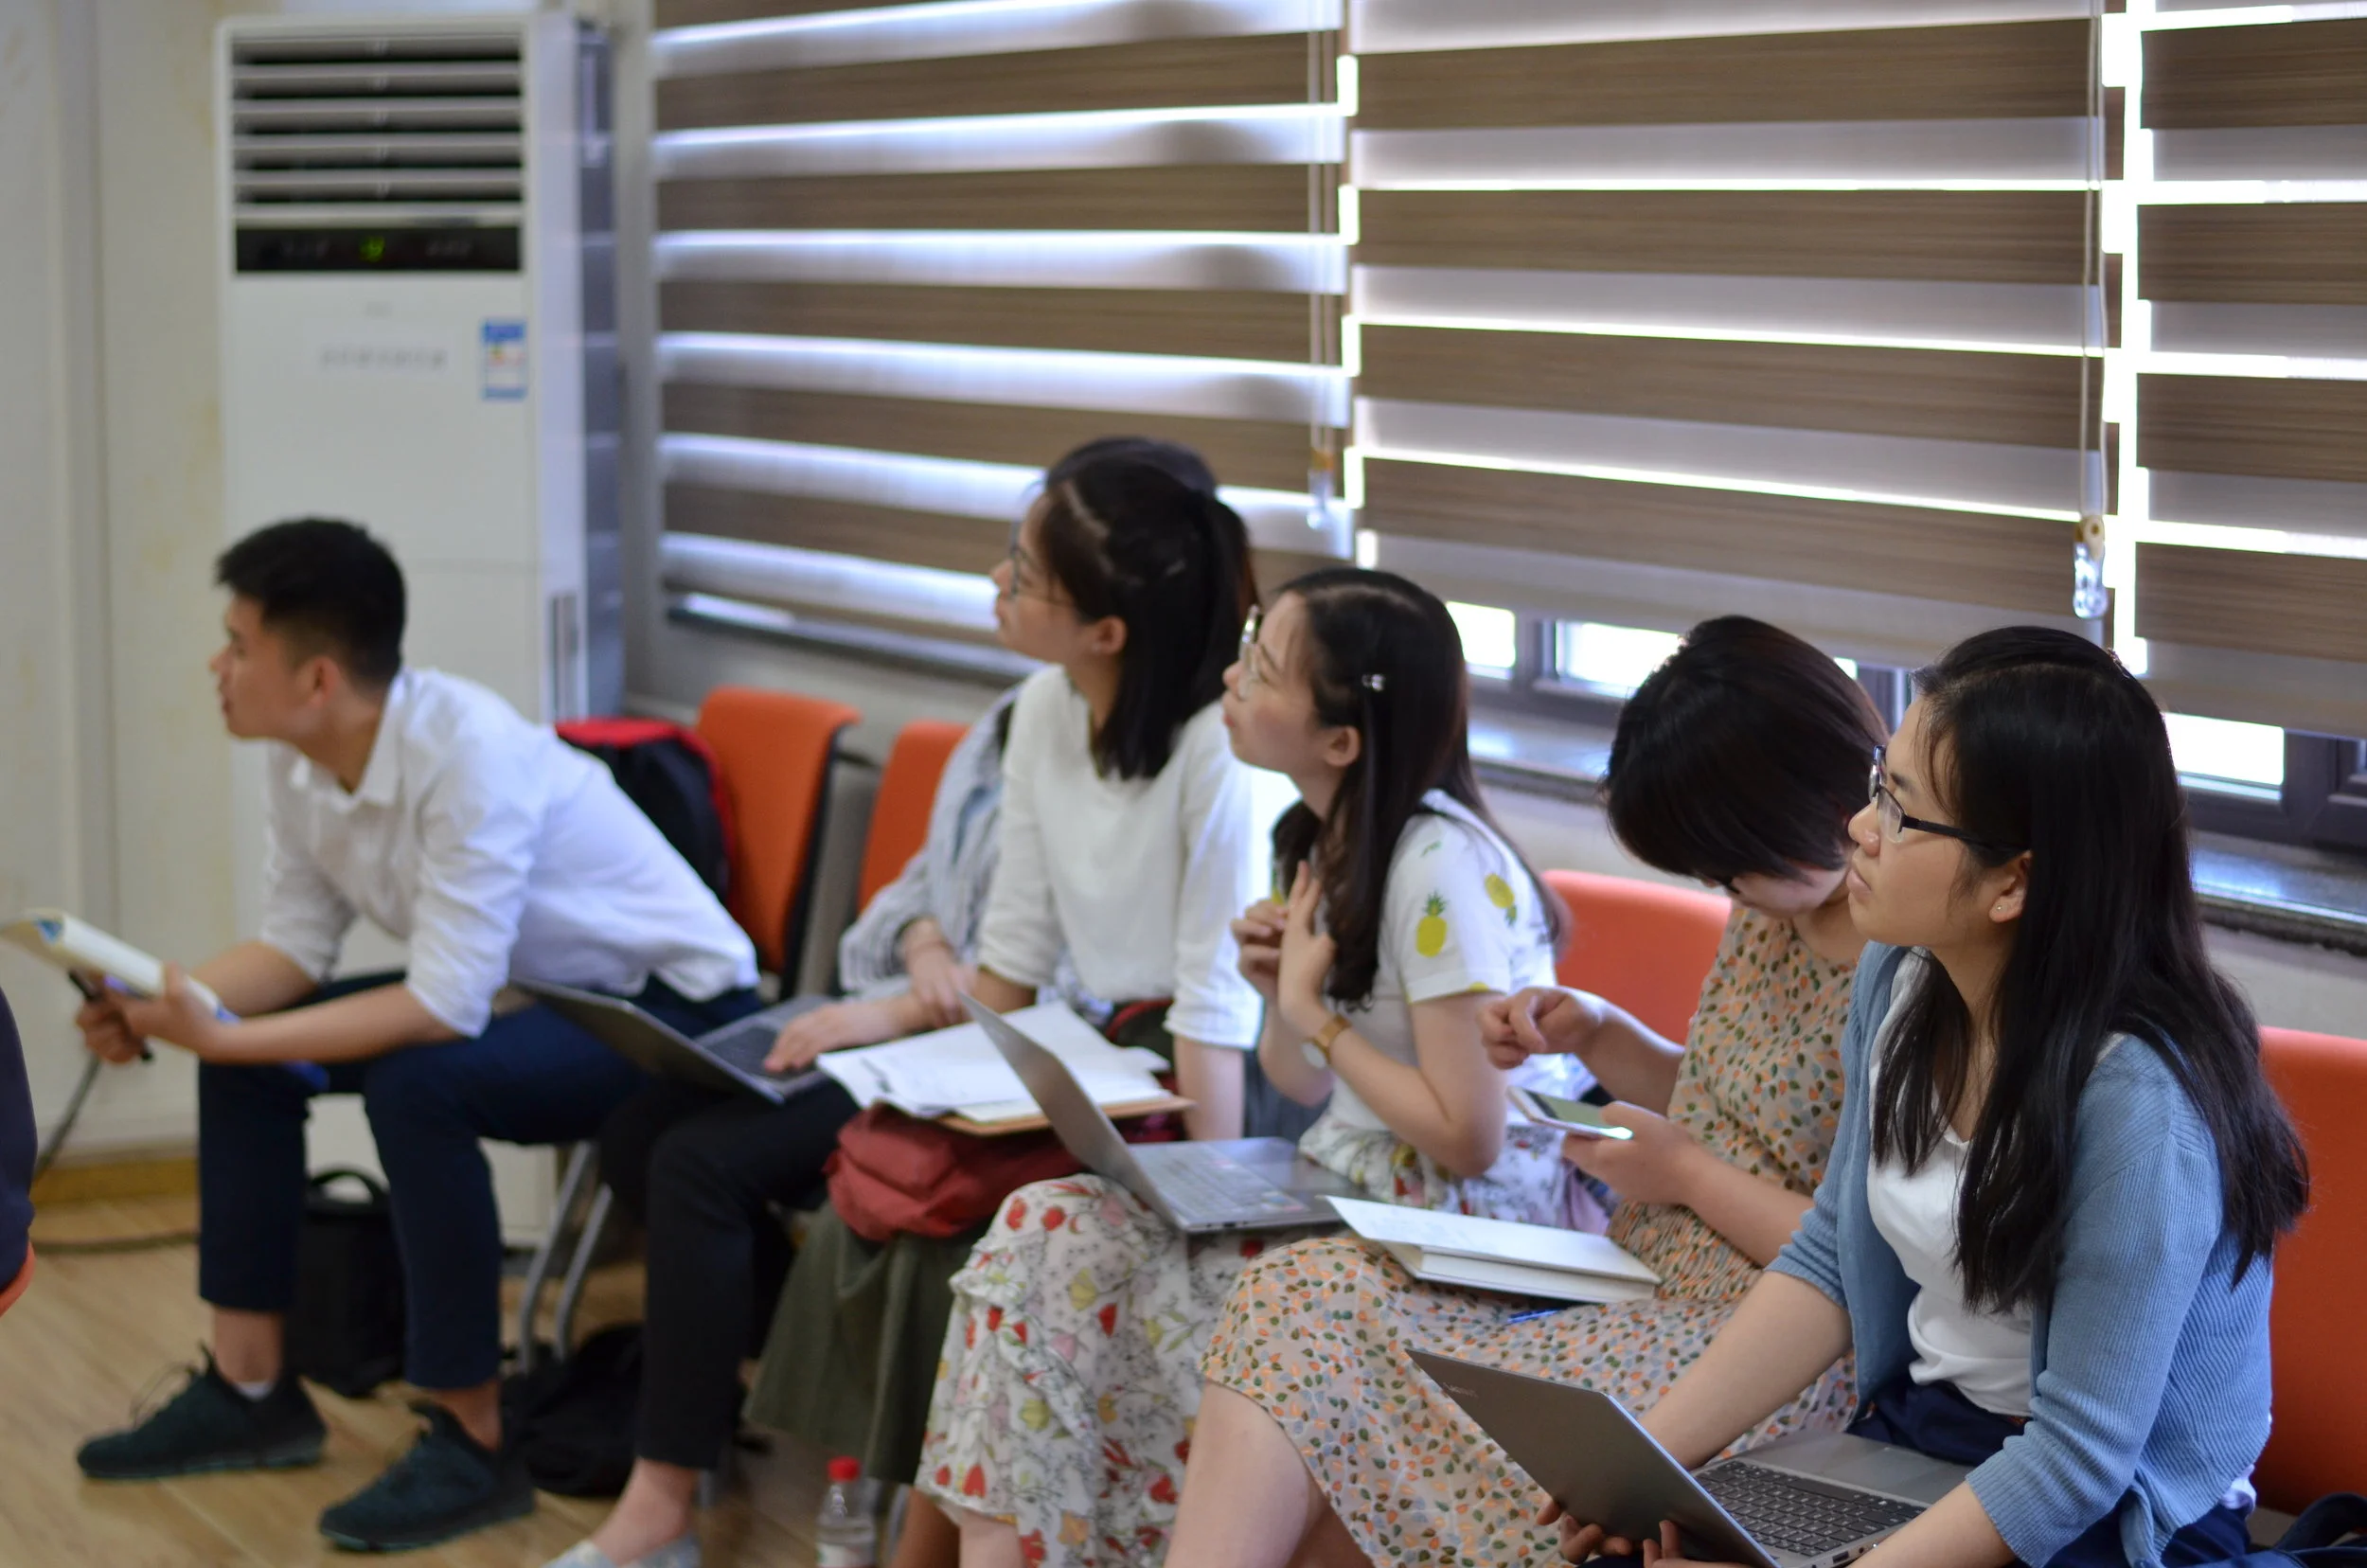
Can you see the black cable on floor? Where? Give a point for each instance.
(57, 1134)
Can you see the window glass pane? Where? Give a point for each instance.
(2222, 748)
(1492, 637)
(1612, 658)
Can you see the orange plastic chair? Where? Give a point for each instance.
(2320, 1441)
(908, 788)
(774, 751)
(1644, 945)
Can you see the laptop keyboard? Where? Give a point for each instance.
(1792, 1513)
(1213, 1188)
(744, 1048)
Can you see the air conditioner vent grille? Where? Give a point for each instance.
(364, 120)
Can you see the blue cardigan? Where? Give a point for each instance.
(2149, 1369)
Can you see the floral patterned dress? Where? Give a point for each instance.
(1072, 1364)
(1317, 1333)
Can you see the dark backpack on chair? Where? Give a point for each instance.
(345, 1330)
(671, 775)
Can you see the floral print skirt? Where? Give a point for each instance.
(1071, 1366)
(1317, 1334)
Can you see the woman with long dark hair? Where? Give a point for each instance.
(1738, 762)
(2060, 1175)
(1128, 842)
(707, 1171)
(1071, 1366)
(1126, 835)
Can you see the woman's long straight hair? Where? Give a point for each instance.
(2040, 739)
(1383, 657)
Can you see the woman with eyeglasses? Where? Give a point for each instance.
(1126, 837)
(1127, 842)
(2060, 1175)
(1738, 762)
(707, 1171)
(1071, 1370)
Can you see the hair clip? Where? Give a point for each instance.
(1375, 683)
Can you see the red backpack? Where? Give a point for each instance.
(671, 775)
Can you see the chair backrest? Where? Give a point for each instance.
(1644, 945)
(775, 750)
(908, 788)
(2320, 1441)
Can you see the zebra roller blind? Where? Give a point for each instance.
(2249, 190)
(1660, 312)
(907, 255)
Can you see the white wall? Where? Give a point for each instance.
(99, 809)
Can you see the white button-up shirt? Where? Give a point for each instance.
(497, 852)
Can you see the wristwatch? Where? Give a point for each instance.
(1318, 1049)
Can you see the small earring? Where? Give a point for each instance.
(2001, 909)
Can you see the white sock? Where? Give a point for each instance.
(258, 1391)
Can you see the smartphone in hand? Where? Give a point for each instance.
(1570, 1116)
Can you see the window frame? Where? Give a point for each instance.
(2322, 803)
(1538, 688)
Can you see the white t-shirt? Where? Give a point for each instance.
(1459, 914)
(1140, 879)
(497, 851)
(1986, 1355)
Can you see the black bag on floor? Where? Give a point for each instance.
(345, 1332)
(574, 1418)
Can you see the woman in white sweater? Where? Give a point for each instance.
(1127, 841)
(1127, 835)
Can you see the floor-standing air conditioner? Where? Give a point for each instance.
(417, 335)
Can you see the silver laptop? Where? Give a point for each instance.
(1806, 1502)
(1200, 1188)
(728, 1057)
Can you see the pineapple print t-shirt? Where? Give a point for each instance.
(1460, 914)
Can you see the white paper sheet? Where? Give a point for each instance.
(959, 1069)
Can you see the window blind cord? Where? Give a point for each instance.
(2090, 600)
(1322, 463)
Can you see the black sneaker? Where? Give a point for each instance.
(447, 1486)
(210, 1426)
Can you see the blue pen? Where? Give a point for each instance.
(1538, 1312)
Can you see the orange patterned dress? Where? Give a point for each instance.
(1317, 1333)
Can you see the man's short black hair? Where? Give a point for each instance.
(329, 587)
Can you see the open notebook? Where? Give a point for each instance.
(957, 1074)
(1501, 1255)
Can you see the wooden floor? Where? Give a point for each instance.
(96, 1331)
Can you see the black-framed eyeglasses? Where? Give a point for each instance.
(1896, 821)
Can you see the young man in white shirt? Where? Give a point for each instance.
(427, 804)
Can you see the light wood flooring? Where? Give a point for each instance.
(94, 1331)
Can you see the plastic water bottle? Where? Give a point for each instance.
(844, 1535)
